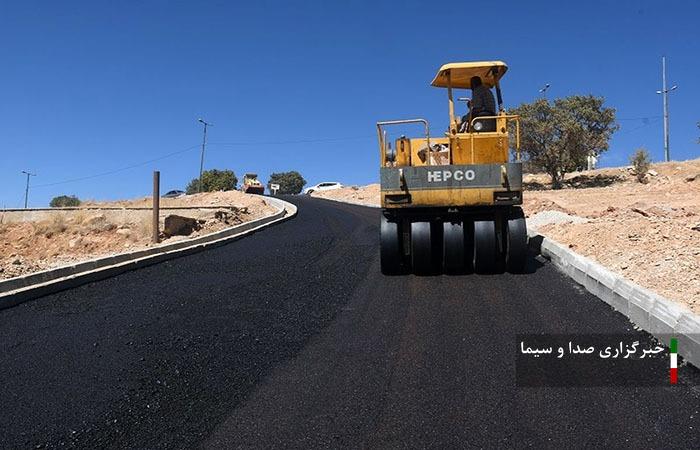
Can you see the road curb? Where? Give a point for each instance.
(28, 287)
(651, 312)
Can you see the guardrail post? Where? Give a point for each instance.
(156, 206)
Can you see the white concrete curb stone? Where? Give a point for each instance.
(16, 290)
(646, 309)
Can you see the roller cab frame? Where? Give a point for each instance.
(451, 203)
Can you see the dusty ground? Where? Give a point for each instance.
(649, 233)
(360, 195)
(72, 236)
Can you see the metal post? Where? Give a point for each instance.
(451, 102)
(664, 92)
(667, 156)
(26, 189)
(156, 206)
(204, 144)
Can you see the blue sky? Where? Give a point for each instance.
(88, 88)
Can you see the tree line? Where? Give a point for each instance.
(291, 182)
(226, 180)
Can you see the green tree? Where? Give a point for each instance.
(290, 182)
(214, 180)
(64, 200)
(559, 136)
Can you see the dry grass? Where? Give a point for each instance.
(77, 217)
(55, 225)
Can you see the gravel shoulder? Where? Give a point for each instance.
(647, 232)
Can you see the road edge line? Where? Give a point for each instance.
(646, 309)
(15, 291)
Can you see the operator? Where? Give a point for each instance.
(483, 103)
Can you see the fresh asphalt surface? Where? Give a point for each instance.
(292, 338)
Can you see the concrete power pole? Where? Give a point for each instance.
(26, 189)
(664, 92)
(204, 144)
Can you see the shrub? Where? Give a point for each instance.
(64, 200)
(214, 180)
(641, 162)
(55, 225)
(290, 182)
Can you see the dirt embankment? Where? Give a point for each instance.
(647, 232)
(71, 236)
(359, 195)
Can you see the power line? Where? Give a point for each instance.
(646, 124)
(121, 169)
(300, 141)
(169, 155)
(641, 118)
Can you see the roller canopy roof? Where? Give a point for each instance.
(462, 72)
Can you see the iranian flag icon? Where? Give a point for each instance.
(674, 360)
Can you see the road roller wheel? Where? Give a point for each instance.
(486, 249)
(390, 255)
(516, 241)
(421, 248)
(453, 246)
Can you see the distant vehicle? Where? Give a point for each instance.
(251, 184)
(325, 186)
(174, 194)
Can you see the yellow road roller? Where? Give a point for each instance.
(450, 202)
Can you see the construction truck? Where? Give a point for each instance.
(450, 203)
(251, 184)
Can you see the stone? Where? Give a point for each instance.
(175, 225)
(98, 222)
(640, 211)
(124, 231)
(74, 242)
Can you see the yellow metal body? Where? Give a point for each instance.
(444, 198)
(455, 149)
(458, 75)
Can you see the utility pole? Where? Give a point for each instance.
(156, 207)
(204, 144)
(26, 190)
(664, 92)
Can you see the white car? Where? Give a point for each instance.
(325, 186)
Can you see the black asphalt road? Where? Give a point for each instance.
(292, 338)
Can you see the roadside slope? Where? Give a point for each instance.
(62, 237)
